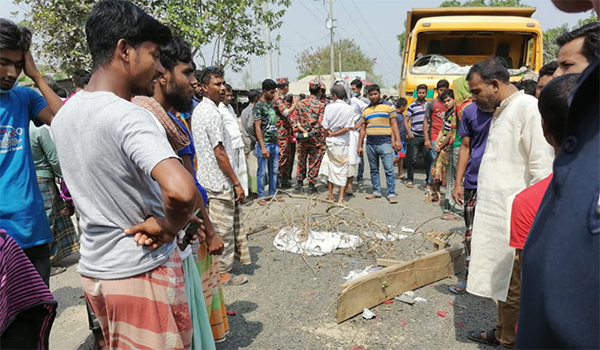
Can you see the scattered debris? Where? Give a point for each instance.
(231, 313)
(407, 229)
(315, 243)
(406, 298)
(368, 314)
(462, 325)
(404, 323)
(387, 237)
(354, 274)
(442, 313)
(391, 301)
(420, 300)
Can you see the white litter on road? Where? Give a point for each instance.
(407, 229)
(367, 314)
(315, 243)
(388, 237)
(354, 274)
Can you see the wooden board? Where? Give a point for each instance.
(388, 262)
(373, 289)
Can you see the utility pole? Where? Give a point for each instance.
(340, 61)
(330, 27)
(267, 38)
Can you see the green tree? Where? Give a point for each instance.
(550, 35)
(316, 62)
(228, 29)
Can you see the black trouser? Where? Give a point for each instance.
(39, 256)
(415, 145)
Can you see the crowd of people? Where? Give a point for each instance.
(151, 156)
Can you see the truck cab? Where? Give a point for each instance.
(443, 43)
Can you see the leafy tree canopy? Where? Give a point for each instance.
(230, 29)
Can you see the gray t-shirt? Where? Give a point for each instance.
(107, 149)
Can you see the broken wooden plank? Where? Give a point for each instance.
(437, 242)
(388, 262)
(373, 289)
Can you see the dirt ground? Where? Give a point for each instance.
(285, 305)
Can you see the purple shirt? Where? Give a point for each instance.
(475, 124)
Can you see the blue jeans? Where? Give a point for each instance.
(361, 168)
(272, 163)
(386, 153)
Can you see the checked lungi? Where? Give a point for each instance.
(147, 311)
(470, 199)
(224, 213)
(66, 241)
(335, 165)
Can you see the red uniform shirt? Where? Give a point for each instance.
(437, 118)
(525, 206)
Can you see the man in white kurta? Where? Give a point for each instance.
(516, 157)
(232, 126)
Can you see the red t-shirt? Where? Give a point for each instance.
(437, 118)
(524, 208)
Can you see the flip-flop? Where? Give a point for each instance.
(279, 199)
(393, 200)
(450, 216)
(461, 285)
(372, 196)
(410, 184)
(349, 192)
(490, 337)
(262, 202)
(57, 270)
(236, 280)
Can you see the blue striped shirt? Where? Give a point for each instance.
(416, 114)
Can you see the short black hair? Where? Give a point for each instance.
(422, 87)
(529, 86)
(198, 74)
(51, 83)
(253, 95)
(112, 20)
(591, 43)
(302, 96)
(339, 91)
(282, 85)
(228, 87)
(62, 93)
(554, 104)
(373, 87)
(401, 102)
(549, 68)
(443, 83)
(210, 72)
(314, 89)
(269, 84)
(13, 36)
(174, 52)
(357, 82)
(81, 78)
(289, 98)
(446, 94)
(490, 69)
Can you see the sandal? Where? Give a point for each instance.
(57, 270)
(236, 280)
(450, 216)
(490, 338)
(460, 288)
(410, 184)
(349, 192)
(393, 200)
(278, 199)
(262, 202)
(373, 196)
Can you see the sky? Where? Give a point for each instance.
(372, 24)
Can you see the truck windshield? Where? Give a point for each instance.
(455, 52)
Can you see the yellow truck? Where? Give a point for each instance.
(442, 43)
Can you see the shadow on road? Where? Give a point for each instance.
(241, 332)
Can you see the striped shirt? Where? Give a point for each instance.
(377, 119)
(416, 114)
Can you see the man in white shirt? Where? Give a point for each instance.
(337, 122)
(217, 173)
(233, 127)
(516, 157)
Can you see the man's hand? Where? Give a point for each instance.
(458, 194)
(295, 101)
(410, 135)
(264, 153)
(438, 147)
(359, 150)
(239, 193)
(30, 69)
(152, 233)
(427, 144)
(215, 244)
(397, 145)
